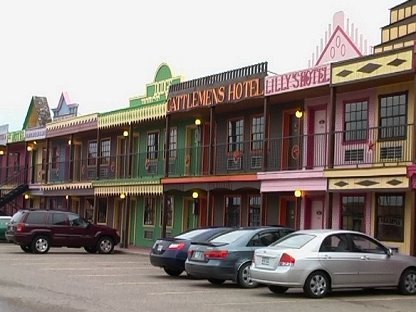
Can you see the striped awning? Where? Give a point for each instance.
(70, 122)
(150, 189)
(132, 115)
(66, 186)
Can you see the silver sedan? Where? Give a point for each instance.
(321, 260)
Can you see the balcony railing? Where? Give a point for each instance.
(365, 148)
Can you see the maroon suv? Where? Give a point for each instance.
(38, 230)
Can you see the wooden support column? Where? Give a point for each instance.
(166, 171)
(265, 133)
(211, 149)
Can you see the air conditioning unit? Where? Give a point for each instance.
(354, 155)
(391, 152)
(234, 163)
(256, 162)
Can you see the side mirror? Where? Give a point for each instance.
(389, 252)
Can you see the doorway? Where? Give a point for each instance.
(192, 152)
(317, 138)
(291, 142)
(189, 220)
(288, 212)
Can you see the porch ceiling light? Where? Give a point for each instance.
(122, 195)
(299, 113)
(1, 153)
(125, 133)
(29, 148)
(27, 196)
(298, 193)
(195, 195)
(198, 121)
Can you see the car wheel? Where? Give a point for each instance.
(277, 289)
(244, 278)
(316, 285)
(26, 248)
(40, 245)
(407, 284)
(105, 245)
(172, 272)
(216, 281)
(91, 250)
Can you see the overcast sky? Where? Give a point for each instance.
(104, 52)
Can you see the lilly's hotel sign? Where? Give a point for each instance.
(211, 96)
(302, 79)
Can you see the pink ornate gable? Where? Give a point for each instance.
(343, 43)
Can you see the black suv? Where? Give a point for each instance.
(38, 230)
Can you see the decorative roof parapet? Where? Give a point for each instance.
(132, 115)
(66, 186)
(128, 187)
(16, 136)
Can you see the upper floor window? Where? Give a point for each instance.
(355, 121)
(173, 142)
(235, 135)
(105, 152)
(257, 133)
(152, 145)
(92, 153)
(393, 116)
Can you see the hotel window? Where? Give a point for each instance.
(170, 208)
(105, 152)
(232, 211)
(393, 116)
(55, 157)
(355, 121)
(353, 208)
(102, 210)
(257, 133)
(390, 217)
(149, 210)
(152, 145)
(254, 211)
(235, 135)
(173, 141)
(92, 153)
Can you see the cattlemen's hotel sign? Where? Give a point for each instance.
(210, 95)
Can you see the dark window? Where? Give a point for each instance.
(393, 116)
(254, 211)
(257, 131)
(35, 218)
(92, 153)
(173, 138)
(152, 145)
(235, 135)
(102, 210)
(76, 220)
(355, 121)
(170, 209)
(58, 219)
(232, 211)
(105, 152)
(390, 217)
(353, 213)
(149, 210)
(55, 157)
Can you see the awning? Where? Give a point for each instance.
(151, 189)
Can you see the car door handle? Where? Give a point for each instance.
(325, 257)
(364, 258)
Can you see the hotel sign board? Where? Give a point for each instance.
(298, 80)
(228, 93)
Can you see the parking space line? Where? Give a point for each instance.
(94, 268)
(130, 283)
(110, 275)
(186, 292)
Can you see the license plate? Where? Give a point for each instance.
(159, 248)
(198, 255)
(265, 261)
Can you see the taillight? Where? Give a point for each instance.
(176, 246)
(286, 260)
(20, 227)
(216, 254)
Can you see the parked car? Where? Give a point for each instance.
(4, 220)
(322, 260)
(228, 256)
(170, 253)
(38, 230)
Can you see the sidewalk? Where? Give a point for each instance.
(142, 251)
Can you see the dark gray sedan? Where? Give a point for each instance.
(228, 256)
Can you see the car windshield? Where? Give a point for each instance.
(191, 234)
(294, 241)
(17, 217)
(230, 237)
(4, 221)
